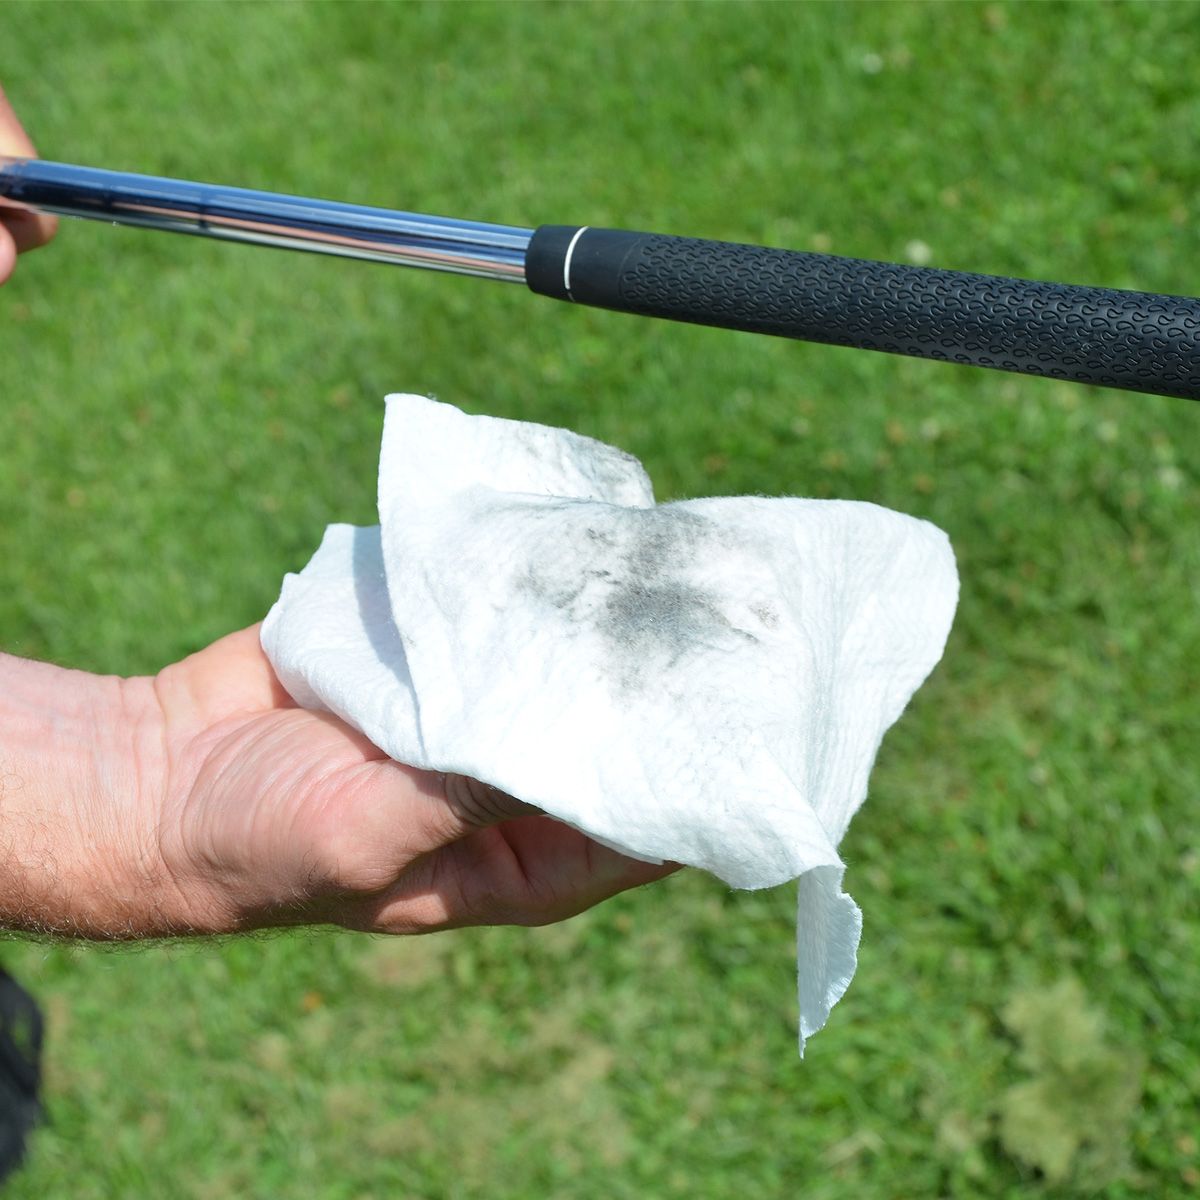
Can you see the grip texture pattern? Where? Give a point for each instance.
(1101, 336)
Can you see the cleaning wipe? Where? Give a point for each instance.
(705, 681)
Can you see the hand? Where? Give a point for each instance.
(204, 801)
(20, 228)
(271, 814)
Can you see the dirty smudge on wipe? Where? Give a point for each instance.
(705, 682)
(628, 575)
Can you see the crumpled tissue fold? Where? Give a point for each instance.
(705, 682)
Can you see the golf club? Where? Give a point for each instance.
(1112, 338)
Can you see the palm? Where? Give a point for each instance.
(302, 819)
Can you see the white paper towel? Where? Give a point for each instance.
(705, 682)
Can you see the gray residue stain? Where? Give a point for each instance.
(631, 580)
(766, 614)
(560, 593)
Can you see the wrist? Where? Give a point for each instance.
(79, 832)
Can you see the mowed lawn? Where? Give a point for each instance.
(180, 419)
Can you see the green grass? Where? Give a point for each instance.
(180, 420)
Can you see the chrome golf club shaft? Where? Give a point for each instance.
(268, 218)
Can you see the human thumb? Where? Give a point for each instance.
(23, 228)
(473, 804)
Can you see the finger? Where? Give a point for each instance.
(28, 229)
(529, 871)
(8, 254)
(13, 139)
(474, 805)
(564, 871)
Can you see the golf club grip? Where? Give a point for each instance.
(1120, 339)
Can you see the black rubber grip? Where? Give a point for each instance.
(1103, 336)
